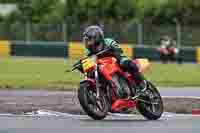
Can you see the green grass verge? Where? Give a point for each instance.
(37, 73)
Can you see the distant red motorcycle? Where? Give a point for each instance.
(168, 54)
(104, 79)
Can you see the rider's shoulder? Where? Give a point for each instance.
(109, 41)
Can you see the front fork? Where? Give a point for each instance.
(97, 81)
(96, 74)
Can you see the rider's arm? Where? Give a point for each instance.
(115, 49)
(87, 52)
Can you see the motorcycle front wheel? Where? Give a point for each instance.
(96, 108)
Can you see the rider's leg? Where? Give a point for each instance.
(133, 69)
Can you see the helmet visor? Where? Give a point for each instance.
(88, 41)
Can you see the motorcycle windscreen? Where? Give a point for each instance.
(143, 64)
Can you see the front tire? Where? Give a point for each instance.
(89, 102)
(148, 109)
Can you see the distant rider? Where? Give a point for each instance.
(168, 49)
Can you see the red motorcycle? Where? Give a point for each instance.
(104, 80)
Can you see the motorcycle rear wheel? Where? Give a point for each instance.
(148, 109)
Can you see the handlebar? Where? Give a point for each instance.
(76, 65)
(97, 54)
(101, 52)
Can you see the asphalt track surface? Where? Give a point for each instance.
(66, 123)
(180, 91)
(83, 124)
(164, 91)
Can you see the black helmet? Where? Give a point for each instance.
(95, 33)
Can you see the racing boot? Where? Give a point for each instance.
(141, 87)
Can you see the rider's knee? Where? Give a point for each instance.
(129, 65)
(133, 66)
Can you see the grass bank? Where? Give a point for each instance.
(37, 73)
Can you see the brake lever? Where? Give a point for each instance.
(74, 68)
(67, 71)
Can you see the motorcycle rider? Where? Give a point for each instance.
(93, 38)
(168, 50)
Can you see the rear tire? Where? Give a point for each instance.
(85, 100)
(144, 108)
